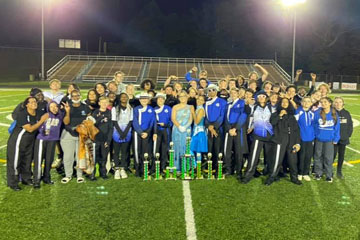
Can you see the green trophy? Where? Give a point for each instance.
(220, 168)
(146, 167)
(198, 166)
(209, 162)
(192, 167)
(185, 170)
(183, 167)
(157, 167)
(171, 170)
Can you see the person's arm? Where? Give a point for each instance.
(220, 119)
(265, 73)
(242, 118)
(31, 128)
(188, 75)
(297, 76)
(168, 81)
(66, 119)
(312, 88)
(16, 111)
(135, 122)
(192, 114)
(199, 116)
(110, 133)
(350, 122)
(337, 131)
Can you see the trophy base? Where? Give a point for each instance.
(211, 178)
(222, 178)
(148, 179)
(160, 178)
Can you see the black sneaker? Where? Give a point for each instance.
(317, 177)
(16, 188)
(330, 180)
(36, 185)
(245, 180)
(339, 175)
(269, 181)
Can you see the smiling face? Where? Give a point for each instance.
(338, 104)
(92, 96)
(200, 101)
(55, 86)
(144, 101)
(285, 103)
(100, 89)
(192, 93)
(160, 101)
(261, 99)
(104, 103)
(183, 97)
(325, 103)
(53, 107)
(212, 93)
(234, 94)
(291, 92)
(31, 104)
(306, 103)
(112, 87)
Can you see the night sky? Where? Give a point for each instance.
(189, 28)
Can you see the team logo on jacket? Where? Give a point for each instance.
(83, 113)
(166, 110)
(217, 104)
(149, 111)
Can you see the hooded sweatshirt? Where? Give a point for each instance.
(50, 129)
(328, 131)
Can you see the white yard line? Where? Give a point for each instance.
(3, 146)
(4, 125)
(6, 112)
(189, 212)
(15, 95)
(354, 150)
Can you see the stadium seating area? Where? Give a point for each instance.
(74, 68)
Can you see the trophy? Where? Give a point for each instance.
(157, 167)
(198, 166)
(186, 159)
(220, 167)
(209, 162)
(146, 167)
(171, 170)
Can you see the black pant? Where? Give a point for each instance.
(305, 154)
(43, 150)
(214, 147)
(141, 146)
(162, 147)
(340, 149)
(233, 143)
(19, 156)
(254, 155)
(124, 150)
(284, 149)
(101, 153)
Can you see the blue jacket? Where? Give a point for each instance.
(163, 115)
(189, 78)
(235, 115)
(144, 119)
(260, 121)
(328, 131)
(305, 120)
(215, 112)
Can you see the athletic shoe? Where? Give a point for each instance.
(117, 174)
(269, 181)
(16, 188)
(330, 180)
(245, 180)
(300, 177)
(80, 180)
(56, 163)
(307, 178)
(123, 174)
(317, 177)
(65, 180)
(296, 181)
(36, 185)
(339, 175)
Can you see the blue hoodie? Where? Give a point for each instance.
(50, 129)
(305, 120)
(328, 131)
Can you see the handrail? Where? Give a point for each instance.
(54, 68)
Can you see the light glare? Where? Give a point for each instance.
(290, 3)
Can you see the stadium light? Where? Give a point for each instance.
(293, 4)
(42, 42)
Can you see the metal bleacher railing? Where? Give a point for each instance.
(138, 68)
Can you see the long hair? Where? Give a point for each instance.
(333, 111)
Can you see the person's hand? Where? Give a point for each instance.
(250, 130)
(313, 76)
(44, 117)
(281, 95)
(298, 72)
(256, 65)
(161, 124)
(211, 127)
(154, 137)
(296, 148)
(66, 107)
(232, 132)
(182, 128)
(282, 113)
(144, 135)
(214, 133)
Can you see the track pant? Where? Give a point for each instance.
(161, 146)
(323, 158)
(254, 155)
(340, 150)
(70, 146)
(305, 154)
(19, 157)
(122, 150)
(43, 150)
(233, 143)
(141, 146)
(283, 149)
(214, 147)
(101, 154)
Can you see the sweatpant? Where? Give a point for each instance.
(305, 154)
(43, 150)
(121, 154)
(19, 157)
(233, 143)
(70, 146)
(214, 147)
(101, 155)
(161, 146)
(340, 150)
(283, 150)
(323, 158)
(254, 155)
(141, 146)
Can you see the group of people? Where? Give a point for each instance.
(237, 117)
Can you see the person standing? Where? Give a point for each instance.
(54, 94)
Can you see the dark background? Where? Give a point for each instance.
(328, 31)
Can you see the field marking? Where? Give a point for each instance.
(9, 117)
(6, 112)
(14, 95)
(189, 212)
(354, 150)
(4, 125)
(3, 146)
(8, 107)
(356, 123)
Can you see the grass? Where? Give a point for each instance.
(134, 209)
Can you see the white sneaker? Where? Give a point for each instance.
(300, 177)
(307, 178)
(117, 174)
(123, 174)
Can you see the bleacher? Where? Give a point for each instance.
(80, 68)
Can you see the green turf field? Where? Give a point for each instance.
(134, 209)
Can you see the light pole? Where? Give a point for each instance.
(293, 3)
(42, 42)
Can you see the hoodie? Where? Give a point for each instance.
(50, 129)
(328, 131)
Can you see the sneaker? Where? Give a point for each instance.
(123, 174)
(339, 175)
(300, 177)
(317, 177)
(306, 178)
(117, 174)
(330, 180)
(80, 180)
(296, 181)
(65, 180)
